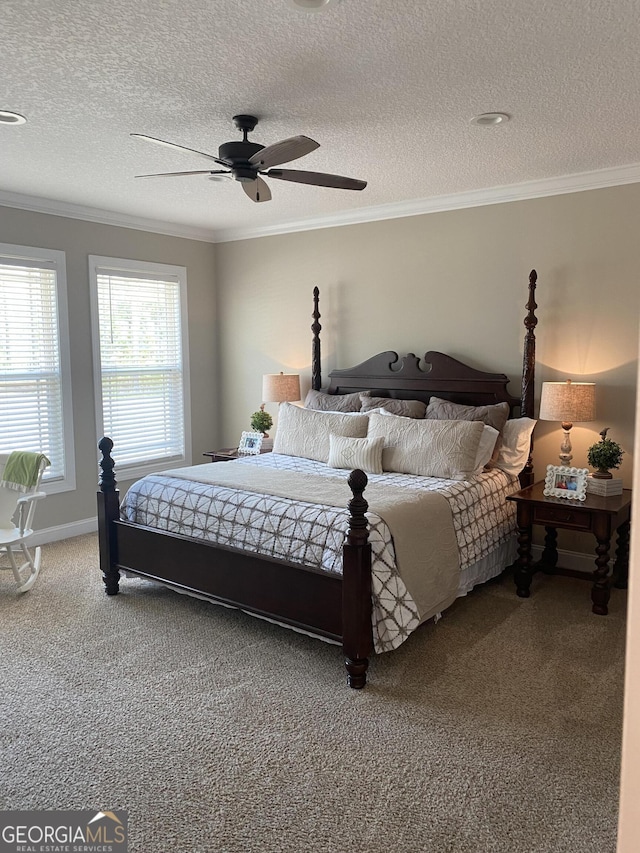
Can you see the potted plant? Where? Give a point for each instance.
(604, 455)
(261, 421)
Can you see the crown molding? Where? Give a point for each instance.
(561, 185)
(103, 217)
(580, 182)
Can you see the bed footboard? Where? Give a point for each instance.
(319, 602)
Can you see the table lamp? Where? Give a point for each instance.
(280, 387)
(568, 402)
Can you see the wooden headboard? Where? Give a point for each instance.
(388, 375)
(411, 378)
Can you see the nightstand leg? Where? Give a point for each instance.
(601, 589)
(549, 558)
(621, 565)
(523, 570)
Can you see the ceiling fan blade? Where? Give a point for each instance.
(319, 179)
(177, 174)
(284, 151)
(178, 147)
(257, 190)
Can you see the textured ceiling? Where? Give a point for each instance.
(387, 87)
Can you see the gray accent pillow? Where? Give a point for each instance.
(494, 415)
(404, 408)
(321, 402)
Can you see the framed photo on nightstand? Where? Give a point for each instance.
(564, 482)
(250, 443)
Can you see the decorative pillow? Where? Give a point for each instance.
(485, 448)
(405, 408)
(494, 415)
(321, 402)
(429, 448)
(516, 440)
(305, 432)
(364, 453)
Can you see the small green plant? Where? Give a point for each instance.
(261, 421)
(605, 454)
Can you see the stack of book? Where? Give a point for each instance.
(605, 488)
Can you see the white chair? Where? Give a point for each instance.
(13, 538)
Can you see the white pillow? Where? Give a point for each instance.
(305, 432)
(364, 453)
(485, 448)
(428, 448)
(516, 441)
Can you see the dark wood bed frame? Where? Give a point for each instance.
(329, 605)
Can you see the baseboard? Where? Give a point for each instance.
(64, 531)
(572, 560)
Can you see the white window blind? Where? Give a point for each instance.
(141, 404)
(32, 402)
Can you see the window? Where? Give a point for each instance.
(35, 376)
(140, 362)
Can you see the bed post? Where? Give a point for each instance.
(528, 372)
(108, 512)
(316, 369)
(357, 639)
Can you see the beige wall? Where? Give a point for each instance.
(456, 282)
(78, 240)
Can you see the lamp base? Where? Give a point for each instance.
(565, 448)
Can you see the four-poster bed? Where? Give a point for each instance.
(332, 604)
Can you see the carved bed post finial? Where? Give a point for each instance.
(107, 479)
(108, 513)
(357, 638)
(528, 371)
(358, 533)
(316, 368)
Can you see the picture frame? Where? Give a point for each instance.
(564, 482)
(250, 443)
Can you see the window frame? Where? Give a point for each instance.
(11, 253)
(129, 267)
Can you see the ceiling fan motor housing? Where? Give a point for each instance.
(237, 155)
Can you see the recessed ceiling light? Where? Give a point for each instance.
(7, 117)
(311, 5)
(490, 119)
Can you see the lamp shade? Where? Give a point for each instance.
(280, 387)
(569, 402)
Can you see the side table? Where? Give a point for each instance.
(598, 515)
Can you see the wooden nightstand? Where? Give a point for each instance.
(597, 515)
(228, 453)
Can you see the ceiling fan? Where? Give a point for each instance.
(246, 161)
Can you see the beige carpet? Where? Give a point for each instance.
(498, 729)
